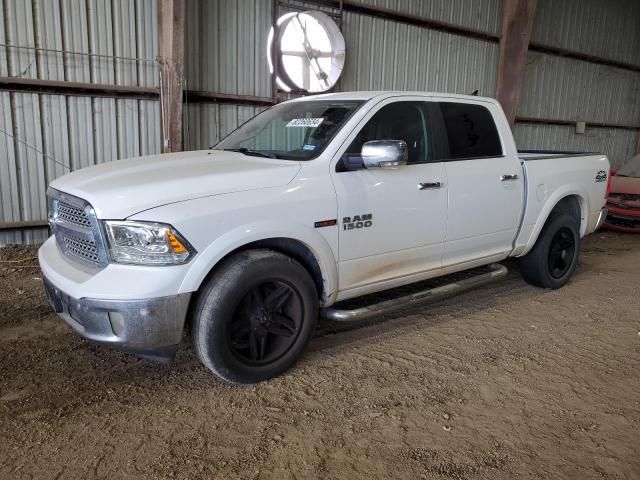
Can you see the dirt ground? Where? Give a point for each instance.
(504, 382)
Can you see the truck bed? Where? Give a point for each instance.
(553, 176)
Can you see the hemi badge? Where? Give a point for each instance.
(326, 223)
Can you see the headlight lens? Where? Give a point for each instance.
(146, 243)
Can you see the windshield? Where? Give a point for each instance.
(291, 131)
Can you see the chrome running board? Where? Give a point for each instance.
(496, 272)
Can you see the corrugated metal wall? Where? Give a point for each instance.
(226, 46)
(483, 15)
(564, 88)
(385, 54)
(381, 54)
(604, 28)
(617, 142)
(44, 136)
(208, 123)
(576, 90)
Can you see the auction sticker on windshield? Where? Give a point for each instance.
(305, 122)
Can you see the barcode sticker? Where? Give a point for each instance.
(305, 122)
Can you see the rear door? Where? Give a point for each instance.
(485, 185)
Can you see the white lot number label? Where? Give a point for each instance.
(305, 122)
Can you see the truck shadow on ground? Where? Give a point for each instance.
(48, 367)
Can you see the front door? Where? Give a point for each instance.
(391, 221)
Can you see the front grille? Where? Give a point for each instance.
(81, 248)
(73, 215)
(75, 227)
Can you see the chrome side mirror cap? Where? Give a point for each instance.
(385, 154)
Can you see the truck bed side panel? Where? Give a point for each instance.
(550, 178)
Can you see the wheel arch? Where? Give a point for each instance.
(294, 249)
(310, 249)
(572, 203)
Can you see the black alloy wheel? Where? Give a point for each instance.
(561, 252)
(254, 316)
(554, 257)
(266, 323)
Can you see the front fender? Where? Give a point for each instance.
(263, 230)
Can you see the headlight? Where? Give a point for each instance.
(146, 243)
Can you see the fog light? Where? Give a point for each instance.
(117, 323)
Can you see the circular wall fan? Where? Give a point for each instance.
(310, 52)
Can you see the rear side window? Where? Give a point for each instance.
(470, 131)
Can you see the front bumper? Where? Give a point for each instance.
(622, 223)
(151, 327)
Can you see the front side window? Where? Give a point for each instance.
(291, 131)
(471, 131)
(406, 121)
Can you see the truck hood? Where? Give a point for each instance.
(121, 188)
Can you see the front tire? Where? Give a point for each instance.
(554, 257)
(254, 316)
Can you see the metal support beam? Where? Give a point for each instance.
(517, 22)
(56, 87)
(572, 123)
(5, 227)
(171, 21)
(196, 96)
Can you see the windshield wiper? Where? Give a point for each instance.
(247, 151)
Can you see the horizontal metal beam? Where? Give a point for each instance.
(57, 87)
(23, 225)
(557, 121)
(586, 57)
(197, 96)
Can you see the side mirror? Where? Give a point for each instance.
(385, 154)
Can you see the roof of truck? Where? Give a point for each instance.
(368, 95)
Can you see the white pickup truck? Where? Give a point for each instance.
(312, 202)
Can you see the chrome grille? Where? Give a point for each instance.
(75, 226)
(81, 248)
(74, 215)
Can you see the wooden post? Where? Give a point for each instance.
(171, 18)
(517, 22)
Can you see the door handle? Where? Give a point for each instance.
(429, 185)
(509, 176)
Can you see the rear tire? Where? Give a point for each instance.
(554, 257)
(254, 316)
